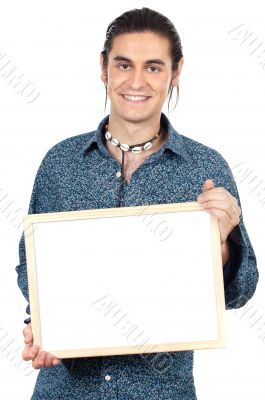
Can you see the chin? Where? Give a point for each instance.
(135, 118)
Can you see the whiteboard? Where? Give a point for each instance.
(127, 280)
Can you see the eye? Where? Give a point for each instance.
(125, 67)
(157, 69)
(122, 65)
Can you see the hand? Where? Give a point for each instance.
(32, 352)
(220, 203)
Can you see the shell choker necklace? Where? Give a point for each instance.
(136, 148)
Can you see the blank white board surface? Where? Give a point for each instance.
(124, 281)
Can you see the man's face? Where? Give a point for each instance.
(139, 64)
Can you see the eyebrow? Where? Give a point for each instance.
(153, 61)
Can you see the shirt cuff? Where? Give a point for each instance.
(27, 320)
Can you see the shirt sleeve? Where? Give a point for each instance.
(21, 268)
(241, 276)
(38, 196)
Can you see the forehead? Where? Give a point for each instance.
(138, 45)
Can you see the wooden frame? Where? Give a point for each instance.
(97, 278)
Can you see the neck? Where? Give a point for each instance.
(131, 132)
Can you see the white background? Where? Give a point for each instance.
(57, 45)
(157, 307)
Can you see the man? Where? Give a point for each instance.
(136, 157)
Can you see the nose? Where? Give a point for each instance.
(137, 79)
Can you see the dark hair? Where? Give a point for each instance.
(142, 20)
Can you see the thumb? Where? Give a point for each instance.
(208, 184)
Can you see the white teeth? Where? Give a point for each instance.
(135, 98)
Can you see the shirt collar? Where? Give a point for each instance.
(175, 141)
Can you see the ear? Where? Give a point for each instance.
(103, 75)
(176, 74)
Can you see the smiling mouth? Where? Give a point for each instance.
(135, 99)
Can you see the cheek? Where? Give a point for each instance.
(115, 78)
(162, 85)
(163, 91)
(114, 85)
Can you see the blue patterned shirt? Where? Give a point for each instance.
(80, 173)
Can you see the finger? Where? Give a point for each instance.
(38, 362)
(234, 199)
(230, 220)
(26, 353)
(56, 361)
(28, 339)
(30, 352)
(48, 360)
(216, 194)
(35, 351)
(51, 360)
(218, 204)
(208, 184)
(45, 360)
(224, 206)
(27, 332)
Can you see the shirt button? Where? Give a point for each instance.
(107, 378)
(118, 174)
